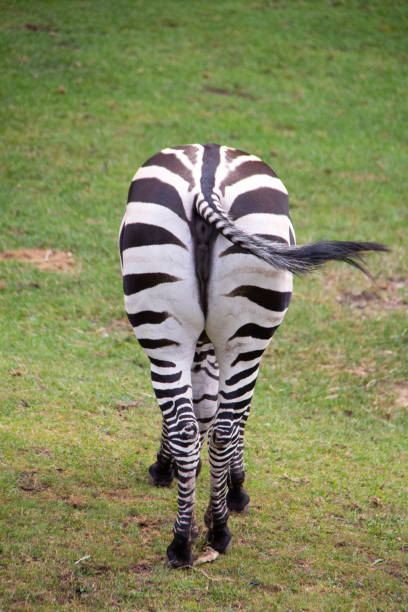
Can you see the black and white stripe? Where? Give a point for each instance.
(208, 252)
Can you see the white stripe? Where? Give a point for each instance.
(253, 182)
(146, 259)
(165, 175)
(265, 223)
(155, 214)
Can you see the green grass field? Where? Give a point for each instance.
(89, 91)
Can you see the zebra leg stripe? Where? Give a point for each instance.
(205, 381)
(237, 497)
(181, 445)
(161, 473)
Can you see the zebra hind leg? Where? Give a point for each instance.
(205, 382)
(161, 473)
(237, 497)
(180, 447)
(204, 377)
(238, 373)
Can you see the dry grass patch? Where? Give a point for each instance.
(391, 294)
(44, 259)
(364, 177)
(341, 284)
(401, 394)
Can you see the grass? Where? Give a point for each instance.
(92, 89)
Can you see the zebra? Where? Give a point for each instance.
(208, 255)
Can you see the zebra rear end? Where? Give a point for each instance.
(207, 252)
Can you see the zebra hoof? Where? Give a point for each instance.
(208, 517)
(238, 500)
(179, 553)
(160, 477)
(220, 538)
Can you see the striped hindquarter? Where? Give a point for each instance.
(204, 310)
(207, 252)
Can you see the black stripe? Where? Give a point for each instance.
(175, 408)
(149, 343)
(172, 163)
(210, 374)
(190, 151)
(170, 392)
(144, 234)
(202, 355)
(235, 405)
(254, 331)
(147, 316)
(240, 391)
(182, 400)
(203, 233)
(166, 378)
(261, 200)
(161, 363)
(211, 160)
(237, 249)
(132, 283)
(244, 170)
(122, 231)
(203, 339)
(277, 301)
(292, 240)
(205, 396)
(157, 192)
(199, 368)
(244, 374)
(231, 154)
(248, 356)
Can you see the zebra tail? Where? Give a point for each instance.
(295, 259)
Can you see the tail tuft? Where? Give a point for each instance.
(309, 257)
(295, 259)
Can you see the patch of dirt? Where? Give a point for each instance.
(16, 372)
(122, 406)
(302, 480)
(44, 259)
(364, 177)
(273, 588)
(141, 568)
(40, 27)
(390, 295)
(28, 481)
(144, 521)
(401, 391)
(304, 564)
(128, 494)
(42, 451)
(77, 501)
(117, 325)
(229, 92)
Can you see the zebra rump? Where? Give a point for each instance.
(295, 259)
(205, 310)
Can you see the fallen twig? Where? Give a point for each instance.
(209, 555)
